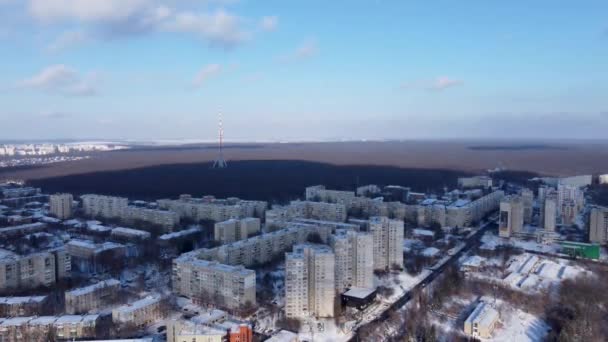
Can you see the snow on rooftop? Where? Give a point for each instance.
(131, 232)
(359, 292)
(430, 252)
(180, 233)
(142, 303)
(423, 232)
(88, 289)
(22, 300)
(283, 336)
(473, 261)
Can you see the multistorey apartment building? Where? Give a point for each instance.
(61, 205)
(53, 328)
(263, 248)
(550, 211)
(598, 225)
(210, 208)
(90, 257)
(310, 281)
(319, 193)
(236, 229)
(140, 313)
(511, 218)
(92, 297)
(475, 182)
(278, 215)
(119, 208)
(527, 196)
(227, 286)
(32, 270)
(388, 242)
(354, 252)
(104, 206)
(24, 306)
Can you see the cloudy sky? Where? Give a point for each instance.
(281, 70)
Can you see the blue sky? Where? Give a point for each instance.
(303, 70)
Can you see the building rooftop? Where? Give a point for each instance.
(283, 336)
(142, 303)
(359, 292)
(483, 314)
(22, 300)
(180, 233)
(88, 289)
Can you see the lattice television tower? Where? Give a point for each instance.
(220, 162)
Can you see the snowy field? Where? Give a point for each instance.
(491, 241)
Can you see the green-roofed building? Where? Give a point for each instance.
(581, 249)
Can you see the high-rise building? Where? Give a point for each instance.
(32, 270)
(527, 196)
(61, 205)
(354, 253)
(511, 219)
(104, 206)
(550, 212)
(388, 242)
(598, 225)
(310, 281)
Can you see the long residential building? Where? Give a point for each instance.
(205, 281)
(318, 193)
(92, 297)
(111, 207)
(37, 269)
(310, 281)
(354, 253)
(24, 306)
(598, 225)
(307, 210)
(388, 242)
(210, 208)
(140, 313)
(61, 328)
(263, 248)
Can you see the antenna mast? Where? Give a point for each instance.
(220, 162)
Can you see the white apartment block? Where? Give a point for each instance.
(211, 282)
(61, 205)
(598, 225)
(213, 209)
(511, 218)
(527, 196)
(32, 270)
(141, 313)
(354, 253)
(308, 210)
(318, 193)
(388, 242)
(263, 248)
(234, 229)
(92, 297)
(164, 218)
(104, 206)
(310, 281)
(550, 212)
(186, 331)
(62, 328)
(570, 195)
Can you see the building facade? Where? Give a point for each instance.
(92, 297)
(511, 217)
(310, 281)
(33, 270)
(141, 313)
(61, 205)
(236, 229)
(598, 225)
(388, 242)
(205, 281)
(354, 252)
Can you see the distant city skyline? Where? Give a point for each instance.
(303, 71)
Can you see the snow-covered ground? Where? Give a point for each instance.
(491, 241)
(517, 325)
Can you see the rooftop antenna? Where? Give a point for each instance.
(220, 162)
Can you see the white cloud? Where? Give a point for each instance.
(269, 23)
(307, 49)
(85, 10)
(68, 39)
(220, 28)
(64, 80)
(206, 73)
(437, 84)
(441, 83)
